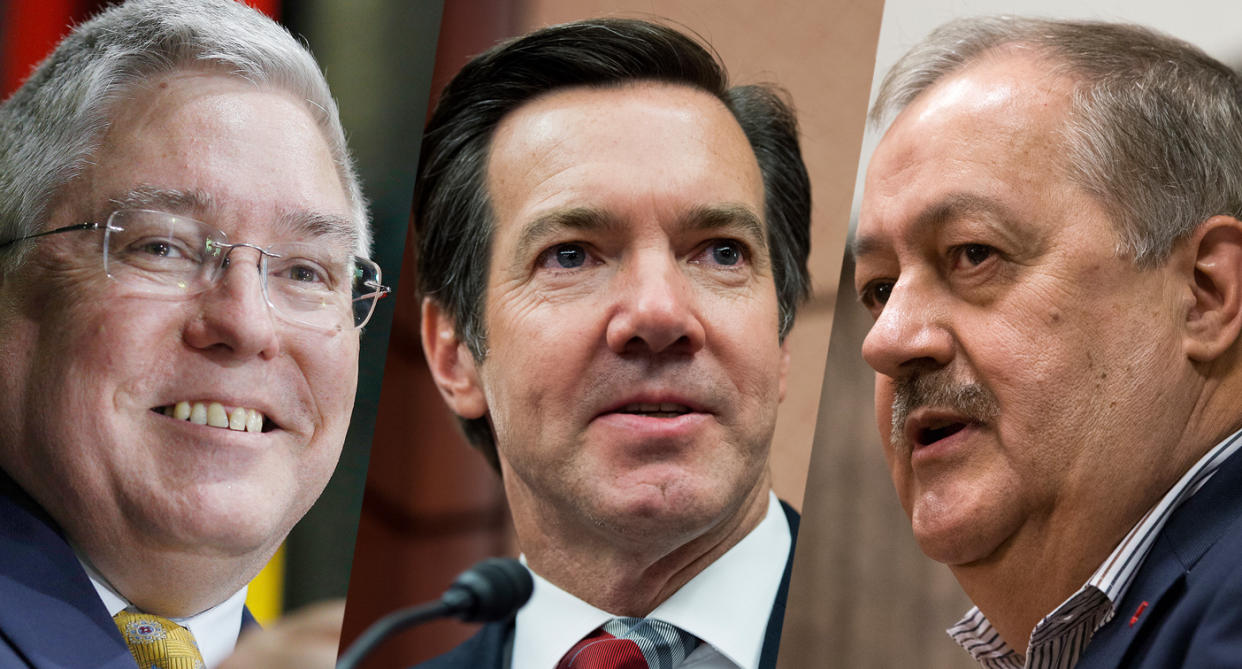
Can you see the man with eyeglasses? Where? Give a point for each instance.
(182, 283)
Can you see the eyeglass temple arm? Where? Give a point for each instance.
(67, 228)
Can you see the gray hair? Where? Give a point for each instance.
(50, 127)
(1154, 129)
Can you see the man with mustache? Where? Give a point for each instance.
(1049, 244)
(182, 282)
(612, 246)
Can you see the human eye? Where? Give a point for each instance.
(875, 293)
(302, 273)
(968, 256)
(722, 252)
(161, 250)
(565, 256)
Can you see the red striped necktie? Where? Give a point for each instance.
(631, 643)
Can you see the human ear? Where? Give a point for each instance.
(1214, 318)
(452, 365)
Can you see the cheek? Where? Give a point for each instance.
(332, 372)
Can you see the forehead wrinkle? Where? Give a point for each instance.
(576, 218)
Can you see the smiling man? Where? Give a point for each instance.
(180, 228)
(1050, 246)
(612, 245)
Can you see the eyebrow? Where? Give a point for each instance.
(733, 217)
(169, 199)
(301, 225)
(954, 206)
(319, 225)
(576, 218)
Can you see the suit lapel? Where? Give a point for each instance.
(1192, 529)
(52, 616)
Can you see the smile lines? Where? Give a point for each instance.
(215, 414)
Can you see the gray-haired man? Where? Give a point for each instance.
(167, 412)
(1050, 246)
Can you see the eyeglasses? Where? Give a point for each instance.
(312, 284)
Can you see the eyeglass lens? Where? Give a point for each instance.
(309, 283)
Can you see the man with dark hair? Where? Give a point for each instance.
(612, 246)
(182, 282)
(1049, 243)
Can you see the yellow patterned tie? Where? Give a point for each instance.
(158, 643)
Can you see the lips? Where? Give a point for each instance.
(217, 414)
(655, 404)
(928, 426)
(655, 409)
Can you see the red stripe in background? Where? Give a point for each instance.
(269, 7)
(31, 30)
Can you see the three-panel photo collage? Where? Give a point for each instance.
(697, 334)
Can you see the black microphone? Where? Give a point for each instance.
(493, 589)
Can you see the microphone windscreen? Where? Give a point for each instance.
(493, 589)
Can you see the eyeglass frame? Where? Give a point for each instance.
(380, 290)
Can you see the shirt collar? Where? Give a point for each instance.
(1106, 586)
(726, 605)
(215, 630)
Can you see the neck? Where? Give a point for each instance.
(1052, 557)
(173, 585)
(632, 578)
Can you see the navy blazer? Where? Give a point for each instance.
(489, 648)
(1184, 608)
(51, 617)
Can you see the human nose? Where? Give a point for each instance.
(234, 314)
(911, 331)
(654, 309)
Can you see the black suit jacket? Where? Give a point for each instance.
(51, 617)
(1189, 589)
(489, 648)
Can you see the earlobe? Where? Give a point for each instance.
(452, 365)
(1214, 319)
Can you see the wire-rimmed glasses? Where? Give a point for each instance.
(312, 284)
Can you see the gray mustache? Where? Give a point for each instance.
(937, 389)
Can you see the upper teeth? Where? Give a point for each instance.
(663, 407)
(215, 415)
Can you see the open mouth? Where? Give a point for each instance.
(933, 433)
(661, 410)
(215, 414)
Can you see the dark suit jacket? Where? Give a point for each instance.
(1189, 589)
(489, 648)
(51, 617)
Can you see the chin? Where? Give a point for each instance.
(681, 508)
(959, 536)
(228, 522)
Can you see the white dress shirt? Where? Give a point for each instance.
(726, 606)
(215, 630)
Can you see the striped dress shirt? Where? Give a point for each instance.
(1060, 637)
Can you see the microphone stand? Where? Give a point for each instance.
(493, 589)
